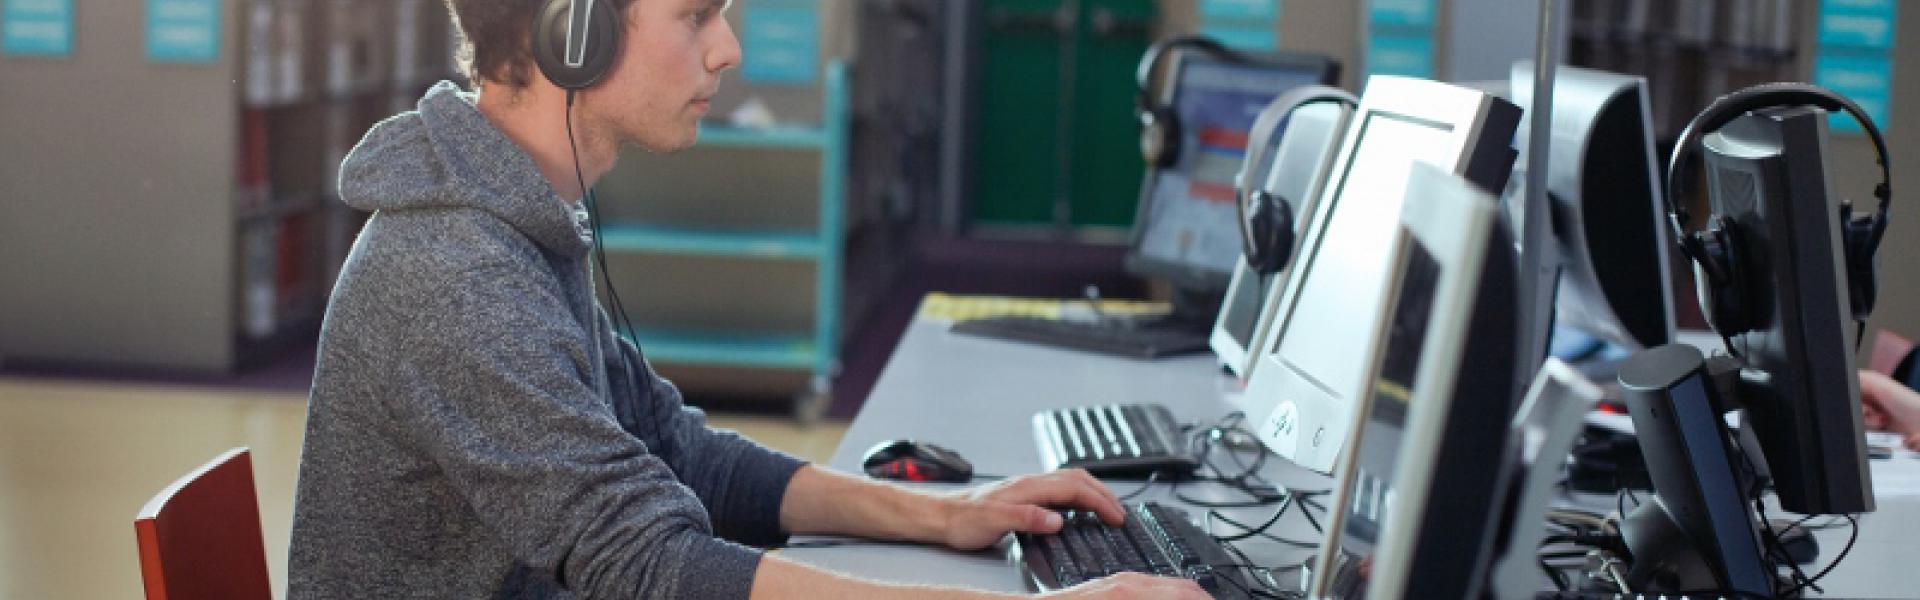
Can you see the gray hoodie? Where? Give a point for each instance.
(476, 430)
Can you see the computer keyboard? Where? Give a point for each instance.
(1156, 540)
(1113, 439)
(1137, 341)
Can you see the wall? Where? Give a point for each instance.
(113, 251)
(1855, 173)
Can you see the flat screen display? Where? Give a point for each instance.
(1190, 219)
(1369, 484)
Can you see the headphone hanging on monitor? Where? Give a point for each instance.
(1267, 219)
(574, 41)
(1159, 124)
(1721, 279)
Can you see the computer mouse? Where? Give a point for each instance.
(908, 460)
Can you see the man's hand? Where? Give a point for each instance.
(1128, 586)
(1890, 405)
(979, 517)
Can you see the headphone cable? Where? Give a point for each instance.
(600, 256)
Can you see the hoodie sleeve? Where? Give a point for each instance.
(495, 389)
(740, 482)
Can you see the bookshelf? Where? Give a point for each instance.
(785, 239)
(180, 213)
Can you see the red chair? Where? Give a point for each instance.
(200, 537)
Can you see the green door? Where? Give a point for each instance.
(1058, 139)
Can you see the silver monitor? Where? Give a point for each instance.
(1324, 334)
(1606, 198)
(1302, 152)
(1422, 486)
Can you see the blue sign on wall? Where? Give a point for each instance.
(1865, 79)
(37, 28)
(1404, 55)
(1242, 36)
(1401, 13)
(780, 44)
(1862, 24)
(1244, 10)
(183, 31)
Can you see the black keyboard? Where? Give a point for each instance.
(1156, 540)
(1137, 341)
(1115, 439)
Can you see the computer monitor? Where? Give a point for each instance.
(1550, 418)
(1300, 158)
(1418, 499)
(1605, 190)
(1322, 339)
(1699, 534)
(1185, 230)
(1767, 171)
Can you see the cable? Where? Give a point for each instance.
(1852, 536)
(1245, 532)
(1143, 487)
(613, 293)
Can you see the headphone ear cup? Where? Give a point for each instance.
(549, 43)
(1271, 223)
(1858, 235)
(1720, 279)
(1159, 136)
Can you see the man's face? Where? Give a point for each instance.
(667, 72)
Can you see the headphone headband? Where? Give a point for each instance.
(1734, 105)
(1143, 73)
(1260, 139)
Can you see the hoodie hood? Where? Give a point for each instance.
(446, 154)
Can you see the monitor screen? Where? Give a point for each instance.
(1241, 312)
(1371, 491)
(1348, 273)
(1188, 221)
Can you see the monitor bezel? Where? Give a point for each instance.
(1453, 222)
(1469, 112)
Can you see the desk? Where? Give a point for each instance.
(977, 395)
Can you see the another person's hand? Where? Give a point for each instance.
(1891, 406)
(981, 516)
(1128, 586)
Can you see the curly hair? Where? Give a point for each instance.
(496, 38)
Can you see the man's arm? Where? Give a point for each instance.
(823, 501)
(779, 579)
(741, 483)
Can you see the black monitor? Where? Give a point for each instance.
(1608, 216)
(1186, 230)
(1699, 534)
(1767, 172)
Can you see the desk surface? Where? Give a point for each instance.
(977, 395)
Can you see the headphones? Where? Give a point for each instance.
(1266, 218)
(1159, 124)
(574, 41)
(1724, 286)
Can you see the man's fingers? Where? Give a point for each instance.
(1028, 518)
(1151, 586)
(1059, 490)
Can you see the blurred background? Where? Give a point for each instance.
(170, 228)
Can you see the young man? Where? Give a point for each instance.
(476, 429)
